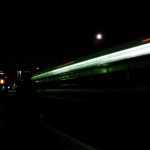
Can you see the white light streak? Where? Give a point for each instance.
(101, 60)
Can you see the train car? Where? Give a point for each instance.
(120, 70)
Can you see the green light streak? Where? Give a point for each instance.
(99, 61)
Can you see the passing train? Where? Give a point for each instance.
(122, 69)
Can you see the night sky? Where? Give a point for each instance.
(40, 36)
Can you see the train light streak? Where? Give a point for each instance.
(99, 61)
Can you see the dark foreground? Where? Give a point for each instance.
(22, 125)
(26, 124)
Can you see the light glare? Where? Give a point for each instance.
(99, 61)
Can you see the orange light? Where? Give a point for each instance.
(68, 63)
(145, 40)
(1, 81)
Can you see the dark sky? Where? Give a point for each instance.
(49, 36)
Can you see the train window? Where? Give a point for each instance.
(64, 80)
(38, 81)
(74, 75)
(142, 63)
(45, 80)
(51, 79)
(99, 77)
(139, 72)
(64, 77)
(73, 80)
(57, 81)
(100, 70)
(49, 82)
(85, 78)
(117, 68)
(85, 73)
(118, 75)
(57, 78)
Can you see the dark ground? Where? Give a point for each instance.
(100, 125)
